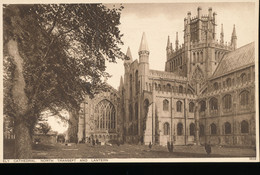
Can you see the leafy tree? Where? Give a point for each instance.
(43, 127)
(54, 54)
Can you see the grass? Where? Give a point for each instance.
(58, 151)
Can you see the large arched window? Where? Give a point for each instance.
(136, 82)
(244, 127)
(166, 129)
(227, 101)
(181, 89)
(244, 98)
(213, 104)
(227, 128)
(202, 106)
(165, 105)
(192, 129)
(179, 129)
(228, 82)
(105, 115)
(213, 129)
(191, 107)
(243, 77)
(136, 111)
(202, 130)
(179, 106)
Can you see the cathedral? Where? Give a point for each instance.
(206, 94)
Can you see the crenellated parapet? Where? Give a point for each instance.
(168, 75)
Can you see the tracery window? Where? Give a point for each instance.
(227, 101)
(227, 128)
(166, 128)
(179, 129)
(213, 103)
(244, 98)
(105, 115)
(165, 105)
(179, 106)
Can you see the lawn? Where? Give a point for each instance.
(58, 151)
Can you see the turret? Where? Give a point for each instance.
(234, 38)
(168, 47)
(210, 13)
(214, 24)
(176, 42)
(222, 35)
(121, 85)
(200, 27)
(143, 67)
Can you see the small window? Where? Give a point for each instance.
(213, 129)
(227, 128)
(202, 106)
(191, 107)
(192, 129)
(179, 106)
(165, 105)
(215, 85)
(243, 77)
(180, 89)
(179, 129)
(228, 81)
(166, 129)
(244, 127)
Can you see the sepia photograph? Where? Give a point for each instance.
(130, 82)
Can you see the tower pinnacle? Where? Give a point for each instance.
(176, 42)
(168, 42)
(222, 35)
(234, 38)
(143, 45)
(129, 55)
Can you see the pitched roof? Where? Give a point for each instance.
(236, 59)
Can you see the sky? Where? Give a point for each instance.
(160, 20)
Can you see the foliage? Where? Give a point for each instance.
(64, 48)
(42, 127)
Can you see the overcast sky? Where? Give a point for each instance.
(160, 20)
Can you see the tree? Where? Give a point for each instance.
(54, 54)
(43, 127)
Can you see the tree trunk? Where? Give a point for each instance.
(23, 141)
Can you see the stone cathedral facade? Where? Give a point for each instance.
(205, 94)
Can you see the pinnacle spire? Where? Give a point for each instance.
(129, 55)
(143, 45)
(234, 31)
(176, 42)
(222, 34)
(121, 81)
(168, 42)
